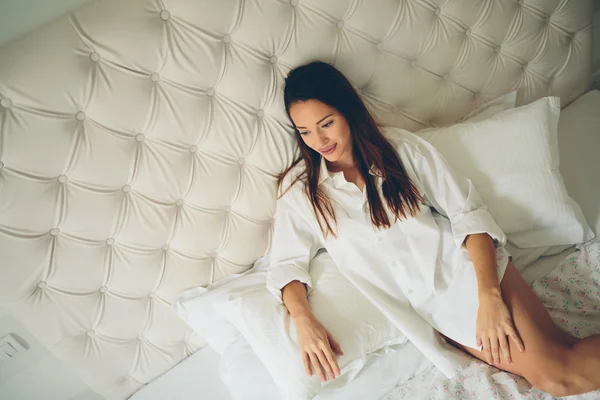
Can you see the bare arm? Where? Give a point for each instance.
(316, 344)
(483, 254)
(295, 299)
(494, 321)
(295, 243)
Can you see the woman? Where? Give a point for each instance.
(414, 237)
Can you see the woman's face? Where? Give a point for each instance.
(323, 129)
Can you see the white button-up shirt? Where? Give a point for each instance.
(417, 272)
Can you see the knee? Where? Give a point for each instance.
(554, 386)
(553, 377)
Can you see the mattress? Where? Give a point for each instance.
(196, 377)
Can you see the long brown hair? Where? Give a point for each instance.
(323, 82)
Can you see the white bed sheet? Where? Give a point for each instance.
(195, 378)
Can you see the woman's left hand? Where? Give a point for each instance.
(494, 326)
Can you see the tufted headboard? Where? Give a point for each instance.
(141, 140)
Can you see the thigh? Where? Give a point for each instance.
(543, 340)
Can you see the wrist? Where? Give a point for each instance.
(489, 292)
(301, 314)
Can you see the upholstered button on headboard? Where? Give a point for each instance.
(141, 140)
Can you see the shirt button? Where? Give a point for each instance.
(394, 264)
(410, 291)
(379, 239)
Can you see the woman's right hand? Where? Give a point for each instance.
(317, 347)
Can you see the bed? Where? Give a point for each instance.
(579, 122)
(134, 139)
(182, 381)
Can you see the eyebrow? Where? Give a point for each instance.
(298, 127)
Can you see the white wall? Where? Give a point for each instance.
(18, 17)
(36, 374)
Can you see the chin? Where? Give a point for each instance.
(333, 157)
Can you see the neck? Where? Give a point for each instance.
(343, 163)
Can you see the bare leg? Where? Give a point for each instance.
(553, 360)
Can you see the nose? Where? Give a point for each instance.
(322, 139)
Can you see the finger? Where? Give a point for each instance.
(478, 341)
(325, 363)
(334, 345)
(317, 366)
(516, 338)
(504, 348)
(487, 350)
(495, 349)
(331, 361)
(306, 362)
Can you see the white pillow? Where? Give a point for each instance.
(247, 378)
(240, 369)
(512, 159)
(520, 257)
(245, 375)
(195, 307)
(358, 326)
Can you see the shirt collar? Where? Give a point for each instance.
(325, 174)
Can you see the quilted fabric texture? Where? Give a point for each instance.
(140, 143)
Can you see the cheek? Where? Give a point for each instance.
(307, 141)
(344, 135)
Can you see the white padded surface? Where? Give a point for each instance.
(140, 141)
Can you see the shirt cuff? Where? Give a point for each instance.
(476, 221)
(278, 277)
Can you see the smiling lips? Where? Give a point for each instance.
(328, 150)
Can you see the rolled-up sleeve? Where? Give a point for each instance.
(293, 246)
(453, 195)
